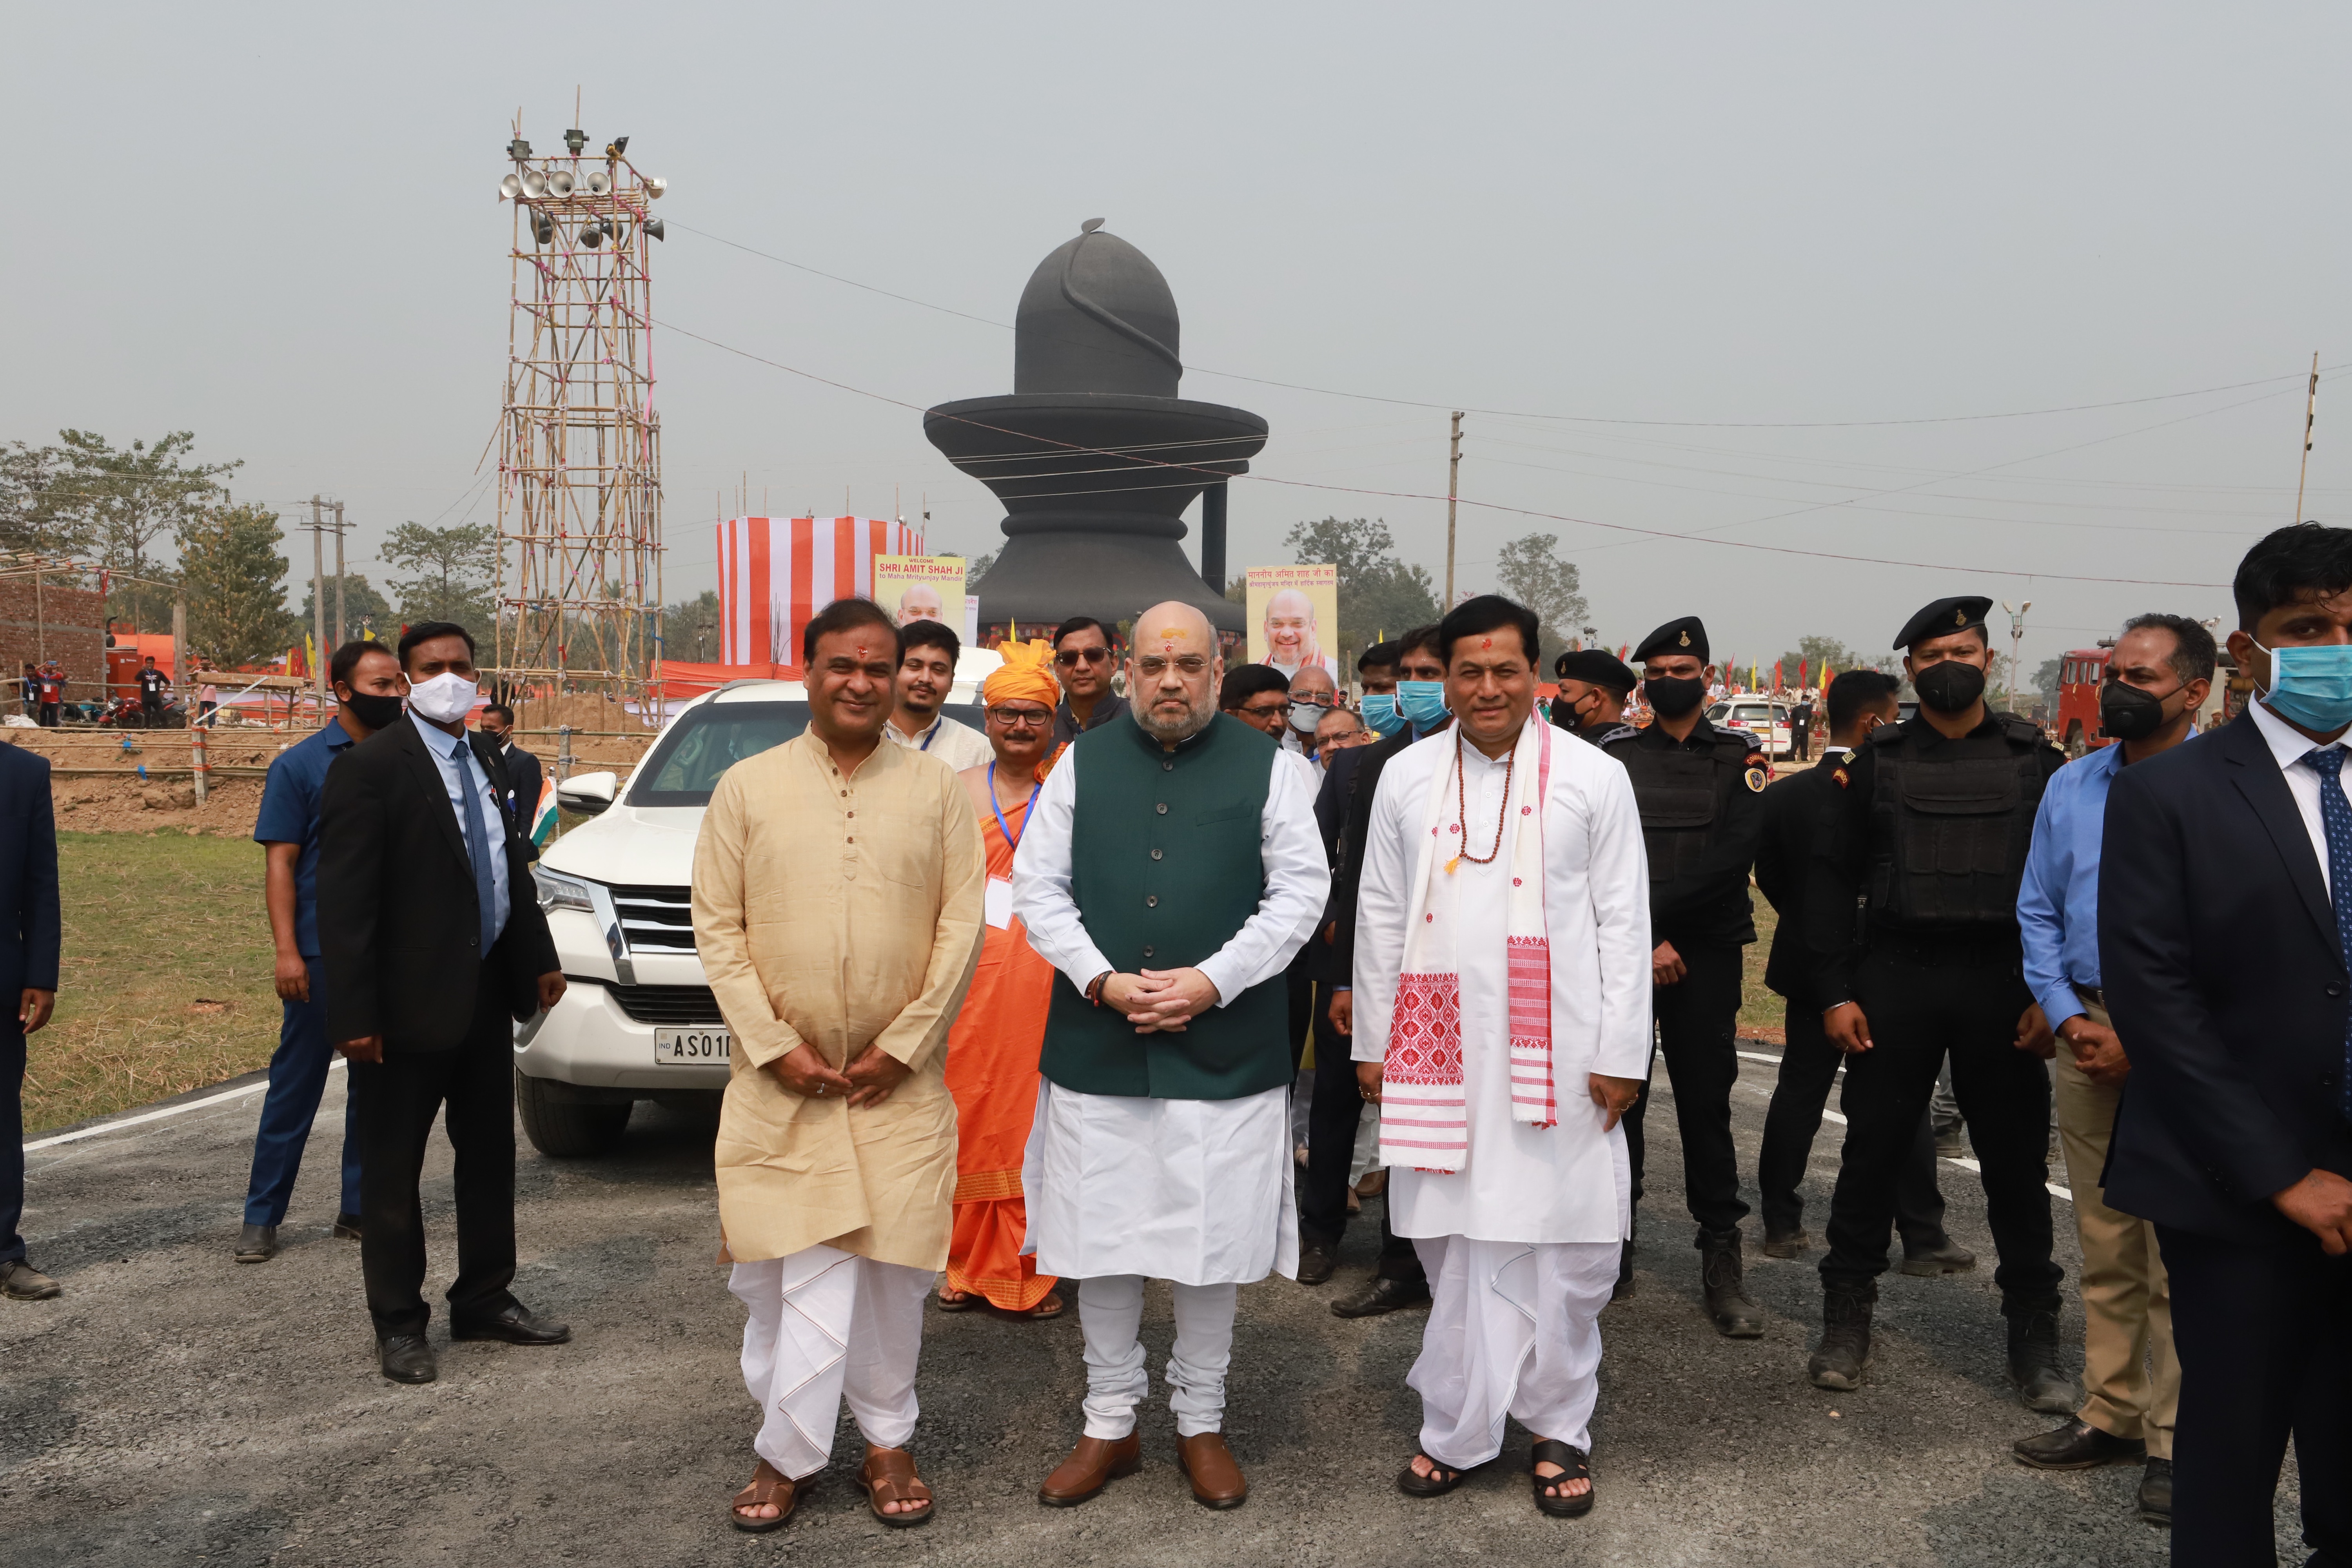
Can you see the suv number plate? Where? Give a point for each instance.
(693, 1047)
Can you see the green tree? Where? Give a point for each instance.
(1814, 651)
(2045, 681)
(1378, 592)
(31, 499)
(365, 612)
(975, 567)
(451, 574)
(1530, 569)
(234, 577)
(690, 630)
(118, 501)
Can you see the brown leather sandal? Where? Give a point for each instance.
(888, 1475)
(1051, 1306)
(769, 1486)
(963, 1301)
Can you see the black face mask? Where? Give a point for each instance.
(2127, 713)
(1673, 698)
(374, 711)
(1950, 686)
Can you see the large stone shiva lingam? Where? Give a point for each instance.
(1094, 455)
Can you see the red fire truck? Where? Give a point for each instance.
(2077, 723)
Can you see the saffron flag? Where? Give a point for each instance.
(775, 573)
(542, 816)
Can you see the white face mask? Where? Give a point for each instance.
(445, 699)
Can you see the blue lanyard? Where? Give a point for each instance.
(1010, 836)
(932, 734)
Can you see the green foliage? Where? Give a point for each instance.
(1815, 650)
(30, 519)
(452, 571)
(117, 502)
(230, 564)
(690, 630)
(1378, 592)
(365, 613)
(975, 567)
(2045, 681)
(1530, 571)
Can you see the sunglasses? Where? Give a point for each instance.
(1068, 657)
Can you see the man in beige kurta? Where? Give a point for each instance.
(837, 908)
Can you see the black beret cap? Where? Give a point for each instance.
(1687, 634)
(1597, 667)
(1942, 618)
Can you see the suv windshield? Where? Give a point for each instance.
(685, 763)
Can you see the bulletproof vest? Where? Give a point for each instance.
(1678, 793)
(1948, 835)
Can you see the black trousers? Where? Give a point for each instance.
(1699, 1017)
(1333, 1116)
(11, 1140)
(1921, 1005)
(473, 1086)
(2264, 1335)
(1808, 1065)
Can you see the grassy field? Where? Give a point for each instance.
(1760, 1010)
(166, 981)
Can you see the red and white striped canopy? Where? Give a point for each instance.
(776, 573)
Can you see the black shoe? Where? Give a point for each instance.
(518, 1325)
(1316, 1262)
(407, 1358)
(1791, 1243)
(1624, 1286)
(1844, 1354)
(1382, 1294)
(257, 1244)
(1948, 1256)
(2077, 1446)
(2156, 1492)
(2041, 1383)
(1734, 1315)
(347, 1227)
(1952, 1142)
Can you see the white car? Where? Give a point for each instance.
(638, 1020)
(1766, 720)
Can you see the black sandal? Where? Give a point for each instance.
(1440, 1479)
(1575, 1466)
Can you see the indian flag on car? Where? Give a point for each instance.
(543, 818)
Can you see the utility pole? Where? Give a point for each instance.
(2016, 635)
(2310, 409)
(340, 633)
(1452, 485)
(317, 608)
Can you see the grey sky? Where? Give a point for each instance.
(277, 226)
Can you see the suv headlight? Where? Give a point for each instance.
(558, 891)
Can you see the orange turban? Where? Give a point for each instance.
(1026, 676)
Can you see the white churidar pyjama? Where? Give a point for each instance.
(1514, 1329)
(825, 1325)
(1111, 1311)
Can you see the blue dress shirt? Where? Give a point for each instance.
(289, 815)
(2058, 902)
(460, 769)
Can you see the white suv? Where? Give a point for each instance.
(638, 1021)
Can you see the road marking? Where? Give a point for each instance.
(117, 1125)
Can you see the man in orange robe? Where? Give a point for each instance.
(992, 1067)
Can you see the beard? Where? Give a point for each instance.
(1165, 728)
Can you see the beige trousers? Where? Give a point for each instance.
(2128, 1366)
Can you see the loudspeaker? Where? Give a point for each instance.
(559, 183)
(600, 184)
(535, 184)
(511, 186)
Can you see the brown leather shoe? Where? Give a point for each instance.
(1209, 1465)
(1093, 1465)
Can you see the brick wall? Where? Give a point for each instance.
(76, 636)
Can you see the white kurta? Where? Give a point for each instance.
(1196, 1191)
(1522, 1182)
(959, 745)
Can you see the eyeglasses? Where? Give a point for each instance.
(1314, 698)
(1021, 718)
(1151, 666)
(1262, 710)
(1070, 657)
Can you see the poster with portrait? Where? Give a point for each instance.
(1293, 617)
(920, 588)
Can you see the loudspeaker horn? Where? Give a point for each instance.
(655, 185)
(535, 184)
(653, 225)
(600, 184)
(511, 186)
(559, 183)
(593, 235)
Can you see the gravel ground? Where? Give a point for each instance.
(176, 1407)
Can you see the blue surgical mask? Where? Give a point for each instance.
(1423, 703)
(2311, 685)
(1380, 713)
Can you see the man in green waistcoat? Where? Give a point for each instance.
(1170, 869)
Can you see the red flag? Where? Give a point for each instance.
(1800, 673)
(1776, 675)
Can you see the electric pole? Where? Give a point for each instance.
(2310, 409)
(2016, 635)
(1452, 485)
(318, 607)
(340, 633)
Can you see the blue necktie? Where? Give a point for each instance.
(478, 843)
(2336, 819)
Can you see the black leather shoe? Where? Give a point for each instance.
(1382, 1294)
(347, 1227)
(1316, 1262)
(257, 1244)
(1734, 1317)
(2076, 1445)
(1624, 1286)
(518, 1325)
(2156, 1492)
(2043, 1382)
(1948, 1256)
(407, 1358)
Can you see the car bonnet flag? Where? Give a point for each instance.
(543, 818)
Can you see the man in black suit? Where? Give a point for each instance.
(30, 931)
(434, 944)
(522, 768)
(2225, 955)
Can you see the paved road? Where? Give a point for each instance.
(175, 1407)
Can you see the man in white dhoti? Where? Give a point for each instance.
(1169, 871)
(1502, 1014)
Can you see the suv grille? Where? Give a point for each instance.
(674, 1004)
(655, 920)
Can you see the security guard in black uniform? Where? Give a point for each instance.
(1699, 790)
(1593, 686)
(1931, 829)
